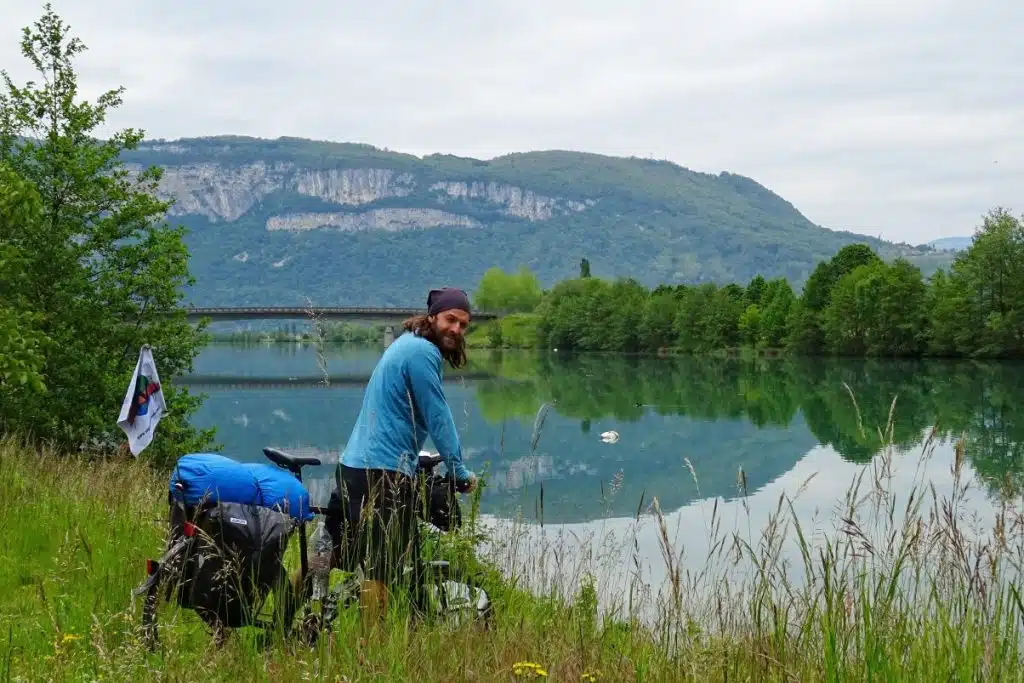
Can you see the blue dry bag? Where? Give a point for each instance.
(215, 478)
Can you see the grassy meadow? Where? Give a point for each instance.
(917, 598)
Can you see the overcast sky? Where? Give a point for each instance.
(899, 118)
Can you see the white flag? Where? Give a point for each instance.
(143, 404)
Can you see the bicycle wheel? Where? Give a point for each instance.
(322, 603)
(156, 570)
(453, 598)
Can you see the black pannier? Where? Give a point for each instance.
(443, 509)
(236, 558)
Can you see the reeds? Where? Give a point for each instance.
(319, 339)
(900, 582)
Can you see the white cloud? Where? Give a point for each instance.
(884, 117)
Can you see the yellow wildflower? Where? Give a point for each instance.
(531, 669)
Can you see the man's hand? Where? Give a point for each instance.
(469, 484)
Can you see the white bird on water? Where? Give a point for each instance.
(610, 436)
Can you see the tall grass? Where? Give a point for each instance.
(903, 585)
(318, 337)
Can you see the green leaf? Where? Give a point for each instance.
(89, 268)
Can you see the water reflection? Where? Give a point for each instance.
(718, 416)
(708, 546)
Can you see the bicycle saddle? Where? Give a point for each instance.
(289, 462)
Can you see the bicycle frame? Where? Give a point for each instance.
(440, 569)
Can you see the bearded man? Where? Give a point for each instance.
(403, 403)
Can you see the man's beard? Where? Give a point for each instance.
(452, 346)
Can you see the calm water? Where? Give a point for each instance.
(777, 421)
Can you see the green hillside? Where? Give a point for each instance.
(402, 224)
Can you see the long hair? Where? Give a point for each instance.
(421, 326)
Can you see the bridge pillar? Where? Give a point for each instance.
(389, 335)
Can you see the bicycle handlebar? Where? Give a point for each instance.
(428, 461)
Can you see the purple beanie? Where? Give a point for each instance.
(446, 299)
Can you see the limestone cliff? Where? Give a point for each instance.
(354, 185)
(375, 219)
(219, 192)
(225, 193)
(515, 200)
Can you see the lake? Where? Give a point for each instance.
(707, 438)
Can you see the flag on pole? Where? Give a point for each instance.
(143, 404)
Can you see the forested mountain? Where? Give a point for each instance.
(277, 221)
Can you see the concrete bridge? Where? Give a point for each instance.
(309, 382)
(390, 316)
(366, 313)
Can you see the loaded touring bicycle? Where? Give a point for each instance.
(230, 527)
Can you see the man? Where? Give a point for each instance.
(403, 403)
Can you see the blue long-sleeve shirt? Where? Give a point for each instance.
(403, 403)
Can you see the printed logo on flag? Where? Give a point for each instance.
(144, 388)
